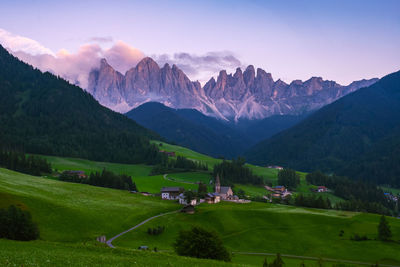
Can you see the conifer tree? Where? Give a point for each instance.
(384, 232)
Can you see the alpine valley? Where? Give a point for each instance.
(109, 157)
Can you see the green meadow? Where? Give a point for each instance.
(260, 227)
(70, 217)
(41, 253)
(69, 212)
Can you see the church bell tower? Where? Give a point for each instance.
(217, 185)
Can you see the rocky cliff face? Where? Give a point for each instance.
(245, 94)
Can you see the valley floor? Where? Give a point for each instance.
(71, 216)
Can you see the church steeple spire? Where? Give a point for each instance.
(217, 185)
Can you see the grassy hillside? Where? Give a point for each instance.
(75, 212)
(70, 216)
(140, 173)
(259, 227)
(40, 253)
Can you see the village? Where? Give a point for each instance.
(189, 198)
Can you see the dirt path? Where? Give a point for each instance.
(109, 241)
(183, 182)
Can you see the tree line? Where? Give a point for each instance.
(358, 195)
(288, 178)
(20, 162)
(235, 171)
(179, 164)
(104, 178)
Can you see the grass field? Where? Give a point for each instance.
(70, 212)
(40, 253)
(140, 173)
(260, 227)
(70, 216)
(266, 173)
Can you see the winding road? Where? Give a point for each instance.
(109, 241)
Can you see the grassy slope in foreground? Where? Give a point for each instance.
(260, 227)
(39, 253)
(75, 212)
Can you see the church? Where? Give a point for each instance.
(225, 192)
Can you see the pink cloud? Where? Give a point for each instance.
(75, 67)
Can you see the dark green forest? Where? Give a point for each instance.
(18, 161)
(357, 136)
(43, 114)
(104, 178)
(236, 171)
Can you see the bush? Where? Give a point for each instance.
(17, 224)
(156, 231)
(200, 243)
(357, 237)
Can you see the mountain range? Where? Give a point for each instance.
(358, 135)
(243, 95)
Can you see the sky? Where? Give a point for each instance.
(341, 40)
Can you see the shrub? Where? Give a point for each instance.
(200, 243)
(17, 224)
(357, 237)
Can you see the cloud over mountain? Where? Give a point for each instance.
(19, 43)
(75, 67)
(201, 67)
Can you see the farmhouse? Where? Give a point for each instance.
(169, 154)
(80, 174)
(188, 209)
(322, 189)
(275, 167)
(171, 193)
(279, 189)
(212, 198)
(183, 201)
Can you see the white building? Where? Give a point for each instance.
(183, 201)
(171, 193)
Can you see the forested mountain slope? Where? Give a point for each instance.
(357, 135)
(42, 113)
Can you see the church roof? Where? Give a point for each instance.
(225, 189)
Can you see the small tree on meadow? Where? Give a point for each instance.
(384, 232)
(189, 196)
(265, 264)
(200, 243)
(202, 190)
(278, 262)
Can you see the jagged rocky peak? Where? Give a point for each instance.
(250, 94)
(249, 75)
(147, 62)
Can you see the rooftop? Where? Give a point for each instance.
(171, 189)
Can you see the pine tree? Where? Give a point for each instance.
(384, 232)
(278, 262)
(265, 264)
